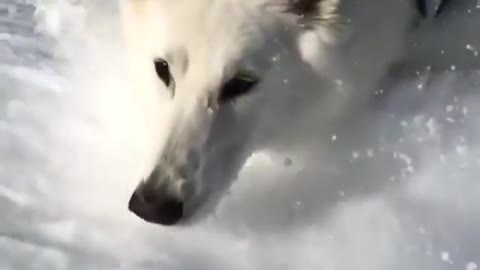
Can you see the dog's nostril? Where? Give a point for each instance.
(136, 204)
(169, 211)
(163, 211)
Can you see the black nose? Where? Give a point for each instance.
(165, 211)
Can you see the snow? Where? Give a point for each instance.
(472, 266)
(73, 144)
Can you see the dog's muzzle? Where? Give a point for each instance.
(161, 197)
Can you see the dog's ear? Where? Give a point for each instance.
(319, 22)
(312, 13)
(442, 5)
(421, 6)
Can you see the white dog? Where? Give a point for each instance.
(215, 66)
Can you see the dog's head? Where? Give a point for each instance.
(199, 57)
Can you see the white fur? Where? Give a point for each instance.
(206, 41)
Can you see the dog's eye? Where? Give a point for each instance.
(163, 71)
(241, 84)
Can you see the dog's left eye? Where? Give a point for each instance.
(163, 71)
(240, 84)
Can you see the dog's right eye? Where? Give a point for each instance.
(241, 84)
(163, 71)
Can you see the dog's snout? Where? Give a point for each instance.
(164, 211)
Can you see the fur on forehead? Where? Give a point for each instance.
(306, 13)
(217, 13)
(222, 29)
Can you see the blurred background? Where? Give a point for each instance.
(403, 192)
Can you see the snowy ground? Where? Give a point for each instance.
(72, 140)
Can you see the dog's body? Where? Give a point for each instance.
(214, 67)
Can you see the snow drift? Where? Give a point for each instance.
(401, 194)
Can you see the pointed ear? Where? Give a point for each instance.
(442, 5)
(313, 13)
(320, 22)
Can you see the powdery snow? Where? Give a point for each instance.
(74, 143)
